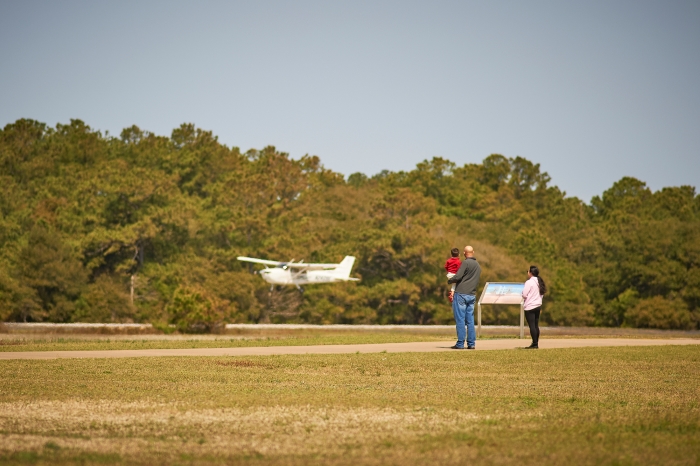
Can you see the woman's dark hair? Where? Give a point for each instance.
(536, 273)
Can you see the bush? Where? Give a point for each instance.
(193, 311)
(106, 300)
(658, 312)
(567, 314)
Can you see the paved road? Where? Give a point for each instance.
(420, 347)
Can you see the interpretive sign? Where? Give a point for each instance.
(502, 293)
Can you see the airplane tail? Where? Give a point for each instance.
(342, 272)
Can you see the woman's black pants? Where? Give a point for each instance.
(533, 321)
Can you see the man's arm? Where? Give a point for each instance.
(460, 273)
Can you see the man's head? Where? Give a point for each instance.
(454, 252)
(468, 251)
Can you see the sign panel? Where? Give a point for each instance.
(502, 293)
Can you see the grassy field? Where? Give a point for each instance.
(84, 342)
(584, 406)
(98, 342)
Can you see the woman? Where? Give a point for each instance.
(532, 295)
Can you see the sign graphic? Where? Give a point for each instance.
(502, 293)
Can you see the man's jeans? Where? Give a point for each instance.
(463, 309)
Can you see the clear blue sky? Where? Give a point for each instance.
(592, 90)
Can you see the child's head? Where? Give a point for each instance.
(455, 252)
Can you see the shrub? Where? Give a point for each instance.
(193, 311)
(659, 312)
(567, 314)
(105, 300)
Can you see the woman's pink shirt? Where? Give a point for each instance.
(531, 294)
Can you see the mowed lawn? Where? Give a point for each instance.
(635, 405)
(98, 342)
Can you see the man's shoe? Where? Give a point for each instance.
(532, 347)
(471, 347)
(456, 347)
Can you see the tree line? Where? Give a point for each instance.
(147, 228)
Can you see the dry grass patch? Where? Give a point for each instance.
(242, 363)
(120, 428)
(630, 405)
(15, 343)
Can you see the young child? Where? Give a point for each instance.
(452, 266)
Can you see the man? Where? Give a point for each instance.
(467, 279)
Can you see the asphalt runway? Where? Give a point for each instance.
(418, 347)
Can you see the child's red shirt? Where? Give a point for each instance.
(452, 264)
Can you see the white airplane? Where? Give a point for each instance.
(300, 273)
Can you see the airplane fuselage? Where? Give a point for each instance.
(280, 276)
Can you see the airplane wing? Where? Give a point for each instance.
(259, 261)
(290, 265)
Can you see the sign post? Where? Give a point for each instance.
(502, 293)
